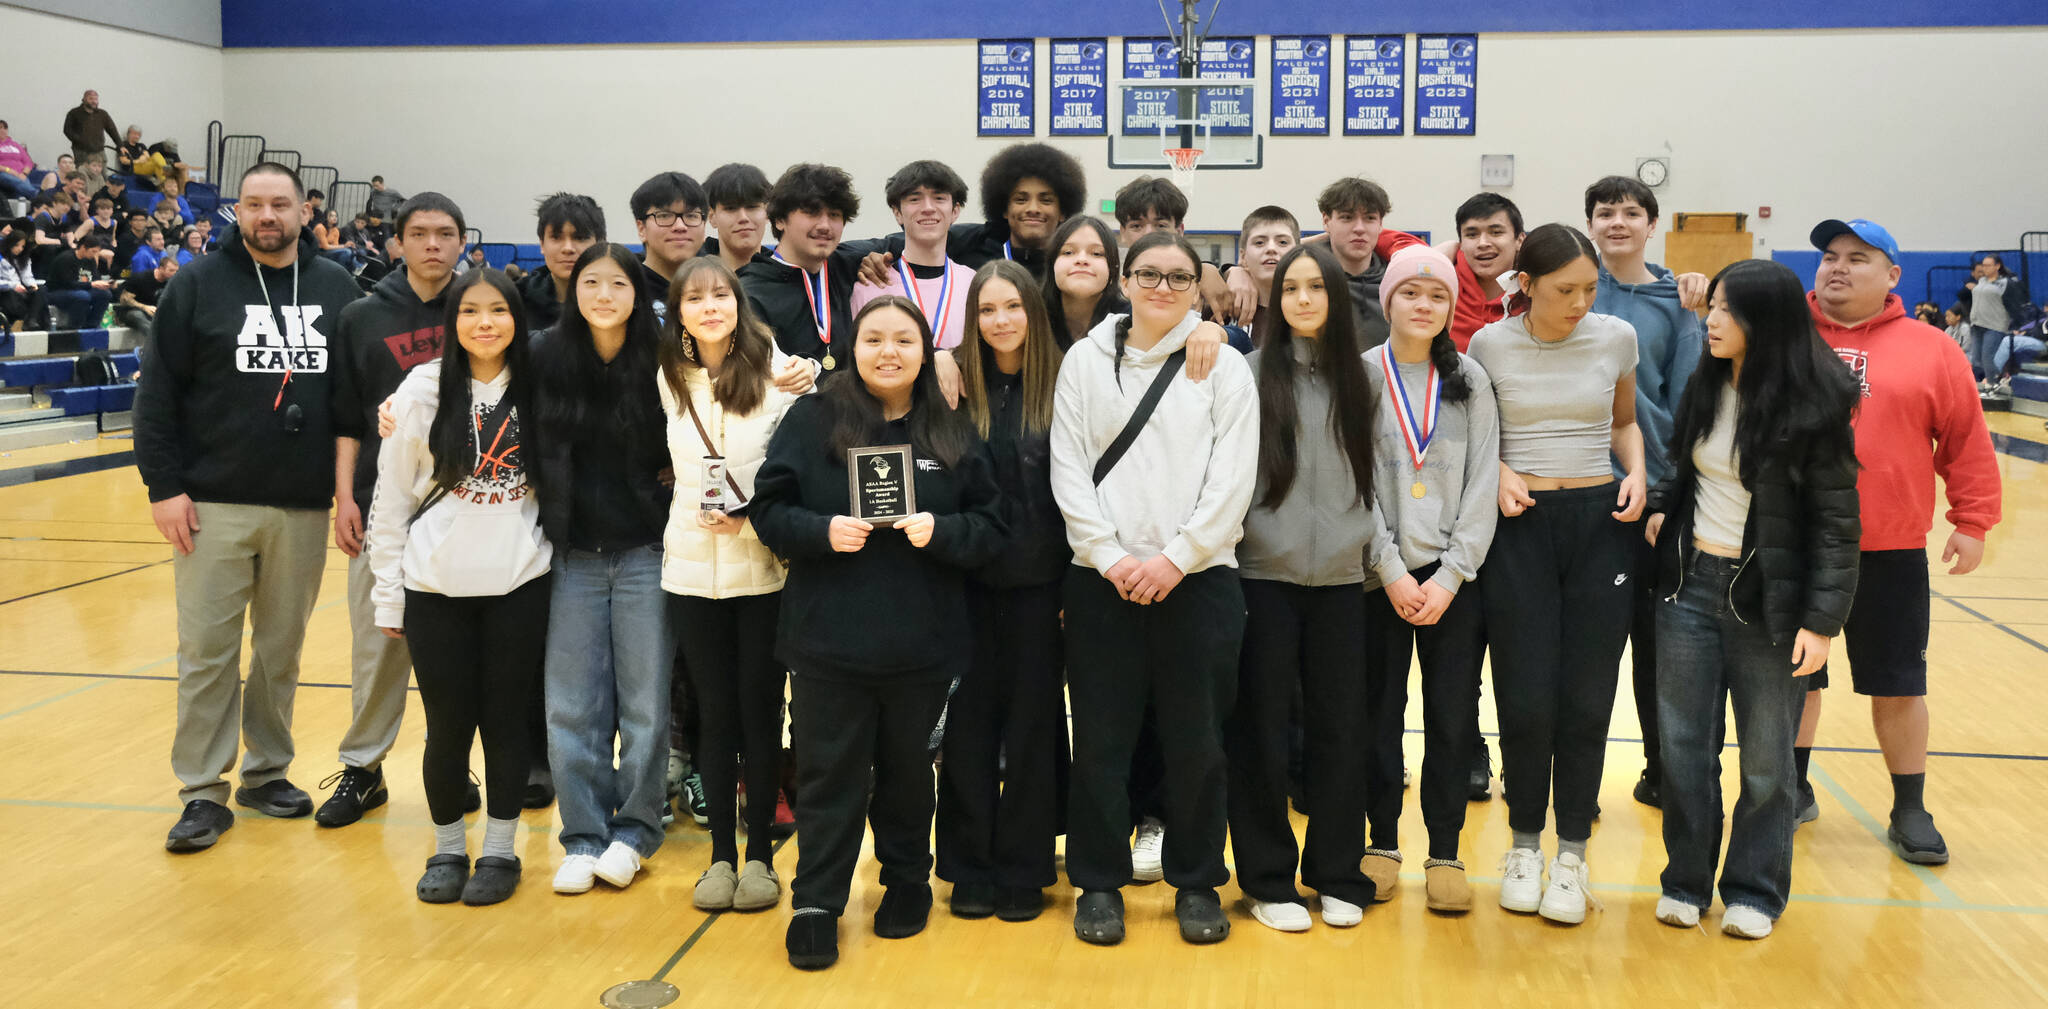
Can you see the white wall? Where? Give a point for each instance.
(171, 89)
(1885, 124)
(190, 20)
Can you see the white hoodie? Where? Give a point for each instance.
(1183, 488)
(483, 537)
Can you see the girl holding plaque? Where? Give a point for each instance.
(1438, 476)
(1153, 472)
(718, 393)
(1302, 561)
(1564, 379)
(882, 499)
(1001, 784)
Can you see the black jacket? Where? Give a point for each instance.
(777, 290)
(543, 309)
(889, 612)
(616, 473)
(377, 341)
(209, 420)
(1036, 552)
(1799, 543)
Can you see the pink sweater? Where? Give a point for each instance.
(947, 334)
(14, 157)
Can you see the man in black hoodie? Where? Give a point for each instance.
(234, 439)
(804, 292)
(376, 342)
(566, 224)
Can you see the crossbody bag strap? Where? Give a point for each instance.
(1153, 394)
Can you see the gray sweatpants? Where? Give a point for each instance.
(266, 562)
(380, 670)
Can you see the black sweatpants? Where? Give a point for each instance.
(1180, 653)
(1004, 777)
(728, 647)
(1314, 639)
(1452, 650)
(1642, 646)
(863, 752)
(1558, 605)
(478, 663)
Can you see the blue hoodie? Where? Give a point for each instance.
(1669, 338)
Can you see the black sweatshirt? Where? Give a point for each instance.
(209, 422)
(777, 291)
(889, 612)
(1036, 551)
(377, 341)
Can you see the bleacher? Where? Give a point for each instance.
(40, 400)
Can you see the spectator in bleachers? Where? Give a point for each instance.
(205, 228)
(1928, 313)
(54, 178)
(139, 293)
(15, 166)
(116, 189)
(84, 126)
(51, 233)
(193, 247)
(1998, 303)
(152, 252)
(21, 294)
(81, 199)
(80, 283)
(130, 150)
(514, 273)
(1956, 324)
(174, 191)
(165, 219)
(472, 260)
(382, 205)
(100, 223)
(134, 234)
(566, 224)
(327, 235)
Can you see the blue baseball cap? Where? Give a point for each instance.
(1870, 232)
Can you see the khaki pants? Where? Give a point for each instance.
(264, 561)
(380, 671)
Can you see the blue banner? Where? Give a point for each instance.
(1229, 110)
(1080, 87)
(1007, 99)
(1301, 86)
(1375, 73)
(1145, 110)
(1446, 84)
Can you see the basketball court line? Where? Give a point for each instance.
(88, 581)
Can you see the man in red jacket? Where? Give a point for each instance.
(1920, 417)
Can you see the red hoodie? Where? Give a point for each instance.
(1474, 311)
(1920, 416)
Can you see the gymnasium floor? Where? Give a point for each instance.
(285, 913)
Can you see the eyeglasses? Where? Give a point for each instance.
(1149, 278)
(668, 218)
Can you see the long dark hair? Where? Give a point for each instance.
(1794, 392)
(1546, 250)
(1340, 362)
(935, 430)
(1041, 354)
(449, 438)
(583, 400)
(1153, 240)
(743, 379)
(1109, 301)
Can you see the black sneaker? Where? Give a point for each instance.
(1479, 786)
(1918, 842)
(1201, 916)
(1649, 791)
(1809, 807)
(693, 797)
(1099, 917)
(540, 789)
(279, 798)
(356, 791)
(973, 900)
(904, 911)
(813, 939)
(1019, 903)
(202, 824)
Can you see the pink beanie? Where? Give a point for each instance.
(1417, 261)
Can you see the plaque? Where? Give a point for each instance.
(880, 484)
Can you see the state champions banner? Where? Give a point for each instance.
(1446, 84)
(1007, 100)
(1229, 110)
(1301, 86)
(1375, 76)
(1080, 87)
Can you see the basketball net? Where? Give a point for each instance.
(1182, 161)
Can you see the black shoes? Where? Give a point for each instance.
(202, 824)
(444, 879)
(973, 900)
(1479, 786)
(540, 790)
(356, 791)
(903, 911)
(494, 880)
(1649, 790)
(1201, 917)
(1019, 903)
(813, 939)
(1913, 832)
(279, 798)
(1099, 917)
(1809, 807)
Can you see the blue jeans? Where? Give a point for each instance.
(611, 647)
(1984, 347)
(1707, 655)
(16, 187)
(82, 308)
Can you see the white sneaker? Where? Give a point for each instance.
(1521, 879)
(1279, 917)
(1341, 913)
(577, 874)
(1745, 922)
(1677, 913)
(618, 864)
(1146, 866)
(1564, 900)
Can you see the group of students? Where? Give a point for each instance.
(1211, 553)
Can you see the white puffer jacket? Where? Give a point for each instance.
(695, 561)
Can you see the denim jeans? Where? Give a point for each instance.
(82, 308)
(1984, 347)
(1707, 655)
(611, 647)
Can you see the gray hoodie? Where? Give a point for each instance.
(1317, 534)
(1454, 519)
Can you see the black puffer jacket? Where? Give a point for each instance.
(1799, 543)
(1036, 552)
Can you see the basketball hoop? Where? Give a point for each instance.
(1182, 162)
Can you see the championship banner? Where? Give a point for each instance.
(1080, 87)
(1301, 86)
(1006, 102)
(1375, 74)
(1446, 84)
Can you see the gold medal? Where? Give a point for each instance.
(1418, 492)
(830, 363)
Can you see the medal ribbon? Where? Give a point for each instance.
(1415, 435)
(821, 303)
(1007, 252)
(936, 317)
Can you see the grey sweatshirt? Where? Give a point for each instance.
(1317, 535)
(1453, 520)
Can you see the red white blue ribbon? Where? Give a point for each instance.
(936, 316)
(1415, 434)
(821, 302)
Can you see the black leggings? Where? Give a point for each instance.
(728, 647)
(478, 663)
(1558, 607)
(1452, 650)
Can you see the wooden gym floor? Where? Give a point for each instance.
(96, 913)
